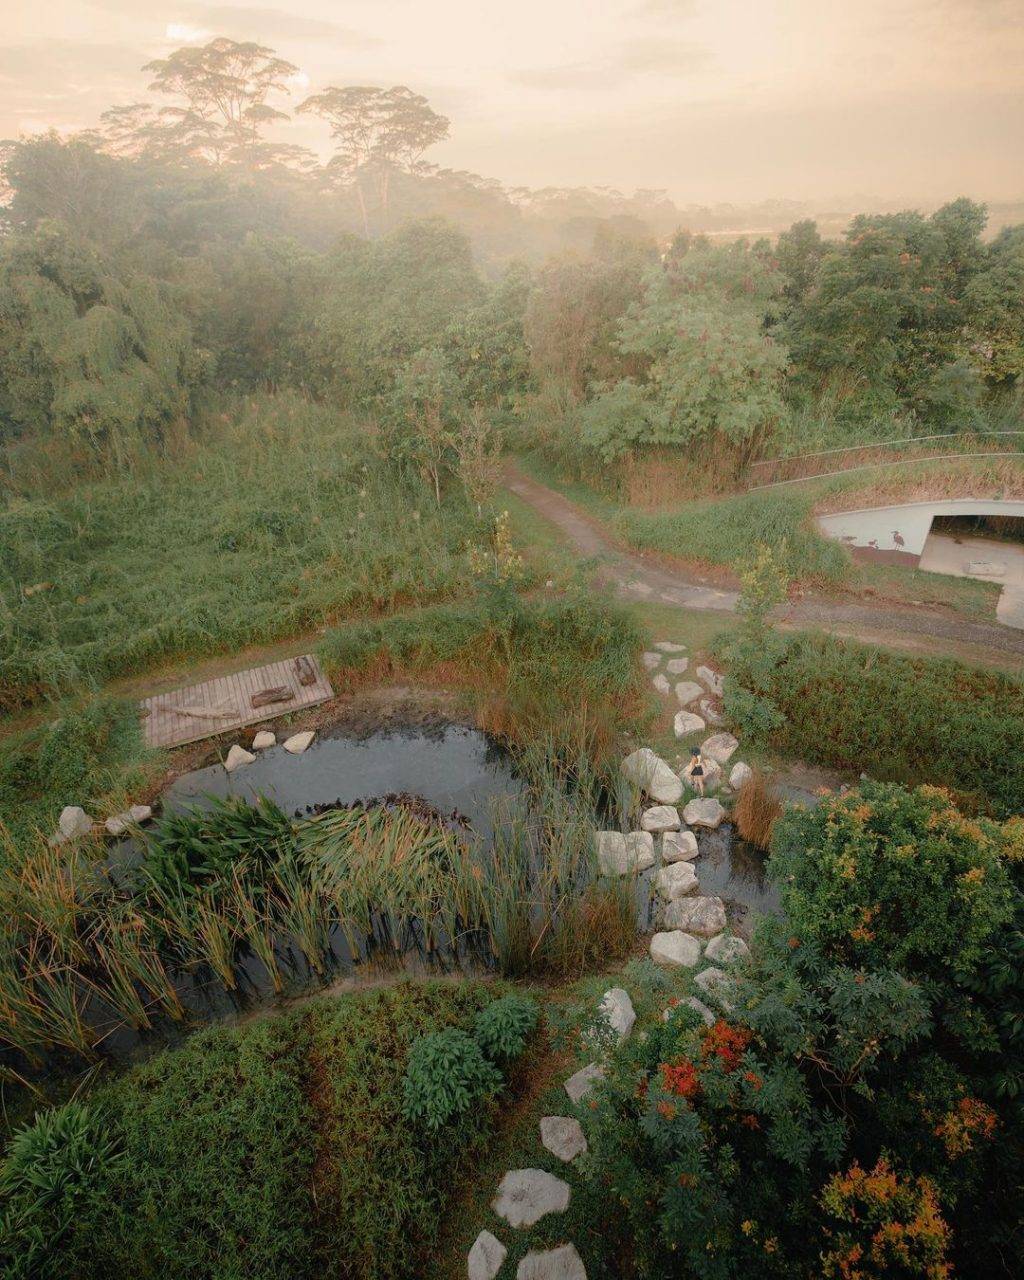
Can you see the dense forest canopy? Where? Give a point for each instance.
(177, 250)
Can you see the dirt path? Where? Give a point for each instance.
(636, 578)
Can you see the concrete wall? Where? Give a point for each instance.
(899, 533)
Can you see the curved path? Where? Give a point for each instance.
(638, 579)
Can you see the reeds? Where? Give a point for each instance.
(757, 810)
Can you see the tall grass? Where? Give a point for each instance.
(285, 517)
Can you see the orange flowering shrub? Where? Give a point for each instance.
(970, 1119)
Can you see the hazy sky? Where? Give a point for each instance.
(711, 99)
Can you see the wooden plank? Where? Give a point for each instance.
(166, 726)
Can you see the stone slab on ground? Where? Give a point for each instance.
(675, 948)
(617, 1010)
(526, 1195)
(563, 1137)
(711, 711)
(581, 1082)
(688, 691)
(720, 747)
(706, 812)
(486, 1257)
(726, 948)
(678, 846)
(711, 680)
(701, 916)
(676, 666)
(676, 880)
(687, 722)
(661, 685)
(563, 1263)
(670, 646)
(662, 817)
(651, 660)
(650, 773)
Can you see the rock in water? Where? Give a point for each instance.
(704, 813)
(711, 680)
(526, 1195)
(486, 1257)
(663, 817)
(686, 722)
(650, 773)
(622, 855)
(688, 691)
(675, 948)
(581, 1083)
(740, 775)
(563, 1263)
(298, 742)
(618, 1011)
(236, 757)
(263, 740)
(676, 880)
(726, 948)
(678, 846)
(563, 1137)
(701, 916)
(720, 746)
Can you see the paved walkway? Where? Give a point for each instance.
(637, 579)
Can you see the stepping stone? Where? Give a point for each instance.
(486, 1257)
(676, 666)
(237, 757)
(648, 771)
(580, 1084)
(263, 740)
(716, 985)
(687, 722)
(618, 1011)
(670, 646)
(678, 846)
(526, 1195)
(622, 855)
(712, 680)
(663, 817)
(688, 691)
(704, 813)
(662, 685)
(726, 948)
(697, 1005)
(563, 1137)
(675, 948)
(740, 775)
(651, 661)
(676, 880)
(701, 916)
(709, 710)
(720, 746)
(298, 742)
(563, 1263)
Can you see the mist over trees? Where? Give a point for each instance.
(178, 251)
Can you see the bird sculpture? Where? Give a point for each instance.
(897, 537)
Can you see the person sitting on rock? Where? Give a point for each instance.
(695, 771)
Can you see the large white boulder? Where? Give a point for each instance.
(261, 742)
(675, 948)
(486, 1257)
(563, 1263)
(711, 680)
(237, 757)
(618, 1012)
(687, 722)
(662, 817)
(622, 855)
(72, 823)
(739, 775)
(298, 742)
(726, 948)
(678, 846)
(720, 747)
(581, 1082)
(703, 916)
(650, 773)
(563, 1137)
(676, 880)
(526, 1195)
(706, 812)
(688, 691)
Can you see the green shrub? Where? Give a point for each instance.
(503, 1028)
(446, 1076)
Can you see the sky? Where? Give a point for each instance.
(712, 100)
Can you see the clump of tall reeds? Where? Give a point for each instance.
(757, 810)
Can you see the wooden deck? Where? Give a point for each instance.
(218, 706)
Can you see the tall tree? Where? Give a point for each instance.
(378, 132)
